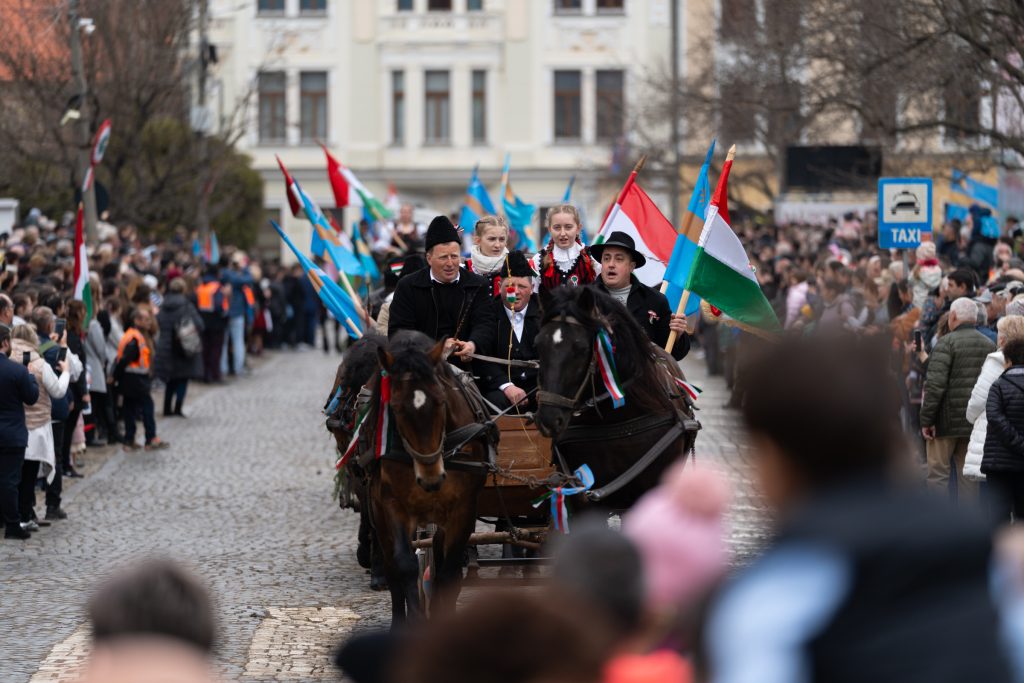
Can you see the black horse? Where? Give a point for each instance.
(627, 448)
(355, 370)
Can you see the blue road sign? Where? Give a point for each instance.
(904, 211)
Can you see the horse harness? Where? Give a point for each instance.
(677, 422)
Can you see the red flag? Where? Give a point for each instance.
(339, 185)
(291, 189)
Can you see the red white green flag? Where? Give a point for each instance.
(83, 291)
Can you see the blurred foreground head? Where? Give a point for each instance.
(510, 637)
(151, 622)
(821, 411)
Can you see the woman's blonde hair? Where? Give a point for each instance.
(26, 334)
(490, 221)
(563, 208)
(1011, 327)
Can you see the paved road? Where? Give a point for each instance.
(243, 496)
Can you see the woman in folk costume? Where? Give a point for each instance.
(565, 261)
(490, 240)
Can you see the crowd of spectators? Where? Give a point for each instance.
(80, 372)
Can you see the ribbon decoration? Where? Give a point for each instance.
(559, 513)
(382, 441)
(692, 390)
(605, 354)
(351, 448)
(333, 405)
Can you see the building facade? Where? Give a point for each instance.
(419, 92)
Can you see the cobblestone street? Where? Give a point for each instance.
(243, 496)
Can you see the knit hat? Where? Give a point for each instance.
(441, 231)
(925, 251)
(677, 527)
(517, 265)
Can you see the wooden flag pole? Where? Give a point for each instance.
(681, 308)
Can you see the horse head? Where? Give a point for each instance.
(565, 345)
(414, 367)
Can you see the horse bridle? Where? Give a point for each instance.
(428, 459)
(555, 399)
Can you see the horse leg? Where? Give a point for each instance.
(458, 528)
(391, 539)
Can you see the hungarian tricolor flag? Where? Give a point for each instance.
(348, 191)
(291, 189)
(635, 214)
(83, 291)
(721, 272)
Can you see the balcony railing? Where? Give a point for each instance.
(427, 26)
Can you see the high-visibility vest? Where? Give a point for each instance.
(140, 365)
(250, 298)
(206, 297)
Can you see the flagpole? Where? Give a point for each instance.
(684, 231)
(681, 308)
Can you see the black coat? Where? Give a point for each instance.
(1004, 438)
(492, 375)
(18, 388)
(649, 308)
(436, 310)
(171, 361)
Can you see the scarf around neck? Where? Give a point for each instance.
(485, 265)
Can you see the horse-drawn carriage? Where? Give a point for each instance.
(430, 459)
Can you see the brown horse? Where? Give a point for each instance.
(656, 422)
(434, 413)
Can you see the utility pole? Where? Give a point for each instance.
(202, 121)
(82, 126)
(674, 185)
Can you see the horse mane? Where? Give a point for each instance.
(409, 350)
(634, 353)
(360, 362)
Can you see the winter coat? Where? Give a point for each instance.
(1004, 440)
(990, 372)
(50, 385)
(650, 309)
(492, 375)
(953, 368)
(437, 311)
(18, 388)
(926, 279)
(96, 357)
(171, 361)
(796, 297)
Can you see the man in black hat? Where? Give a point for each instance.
(649, 307)
(444, 300)
(517, 321)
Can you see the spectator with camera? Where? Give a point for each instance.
(18, 388)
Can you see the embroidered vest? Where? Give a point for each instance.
(580, 273)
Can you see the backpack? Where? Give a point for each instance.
(188, 337)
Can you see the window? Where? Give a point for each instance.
(474, 5)
(270, 6)
(479, 98)
(271, 106)
(567, 105)
(611, 6)
(312, 6)
(439, 5)
(610, 101)
(568, 6)
(436, 94)
(398, 107)
(313, 105)
(404, 5)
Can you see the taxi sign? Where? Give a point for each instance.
(904, 211)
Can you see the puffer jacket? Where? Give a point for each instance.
(990, 372)
(1004, 442)
(953, 368)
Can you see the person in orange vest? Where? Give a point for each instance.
(134, 374)
(212, 299)
(238, 276)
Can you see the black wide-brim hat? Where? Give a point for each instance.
(622, 241)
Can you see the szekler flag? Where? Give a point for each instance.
(478, 204)
(518, 212)
(370, 270)
(635, 214)
(83, 290)
(348, 191)
(678, 269)
(334, 297)
(721, 271)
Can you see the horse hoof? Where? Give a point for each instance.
(363, 555)
(378, 583)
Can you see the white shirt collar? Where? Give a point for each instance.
(434, 279)
(518, 320)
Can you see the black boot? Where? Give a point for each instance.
(55, 512)
(15, 531)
